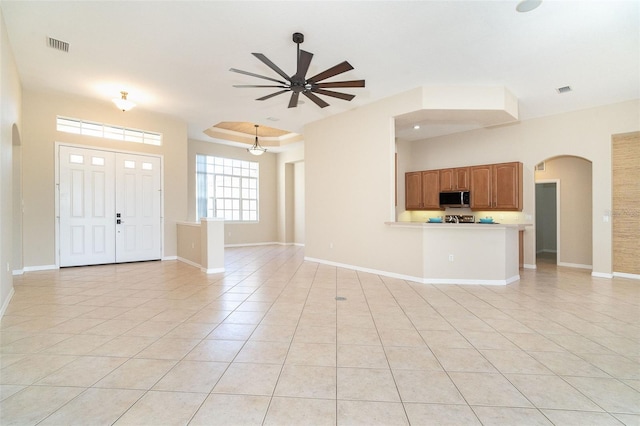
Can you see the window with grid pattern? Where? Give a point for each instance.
(101, 130)
(227, 188)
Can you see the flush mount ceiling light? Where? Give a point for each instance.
(123, 103)
(416, 127)
(256, 149)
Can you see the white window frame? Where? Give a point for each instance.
(227, 189)
(107, 131)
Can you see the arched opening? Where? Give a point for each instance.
(16, 190)
(564, 212)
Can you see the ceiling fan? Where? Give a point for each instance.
(299, 83)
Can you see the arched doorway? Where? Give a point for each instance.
(564, 211)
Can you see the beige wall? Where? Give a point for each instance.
(298, 203)
(349, 190)
(264, 231)
(10, 130)
(575, 210)
(348, 208)
(286, 202)
(39, 140)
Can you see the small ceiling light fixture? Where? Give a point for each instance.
(123, 103)
(256, 149)
(528, 5)
(416, 127)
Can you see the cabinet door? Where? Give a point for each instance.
(413, 190)
(447, 180)
(507, 183)
(480, 187)
(431, 189)
(461, 179)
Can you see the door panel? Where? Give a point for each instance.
(138, 195)
(86, 197)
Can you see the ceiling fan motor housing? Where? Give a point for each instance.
(298, 38)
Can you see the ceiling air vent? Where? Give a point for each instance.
(563, 89)
(58, 44)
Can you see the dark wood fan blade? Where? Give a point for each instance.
(272, 95)
(256, 75)
(316, 99)
(303, 63)
(345, 96)
(335, 70)
(293, 102)
(350, 83)
(259, 85)
(271, 65)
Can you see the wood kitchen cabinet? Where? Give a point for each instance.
(422, 190)
(496, 186)
(456, 179)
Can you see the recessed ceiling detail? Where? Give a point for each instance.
(244, 132)
(454, 109)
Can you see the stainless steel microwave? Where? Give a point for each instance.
(454, 199)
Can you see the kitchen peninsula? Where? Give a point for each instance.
(468, 253)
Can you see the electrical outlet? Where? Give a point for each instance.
(450, 258)
(193, 245)
(330, 245)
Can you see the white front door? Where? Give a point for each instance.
(138, 221)
(87, 206)
(109, 207)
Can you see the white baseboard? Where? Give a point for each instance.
(601, 275)
(170, 258)
(212, 270)
(254, 244)
(575, 265)
(472, 282)
(367, 270)
(625, 275)
(18, 272)
(529, 266)
(411, 278)
(188, 262)
(40, 268)
(5, 305)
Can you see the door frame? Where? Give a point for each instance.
(558, 233)
(56, 191)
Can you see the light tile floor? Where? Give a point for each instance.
(267, 342)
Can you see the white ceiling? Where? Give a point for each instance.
(174, 57)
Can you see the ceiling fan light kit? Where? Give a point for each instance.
(298, 83)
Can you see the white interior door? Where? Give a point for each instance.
(138, 217)
(86, 206)
(109, 207)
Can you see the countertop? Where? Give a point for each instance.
(519, 226)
